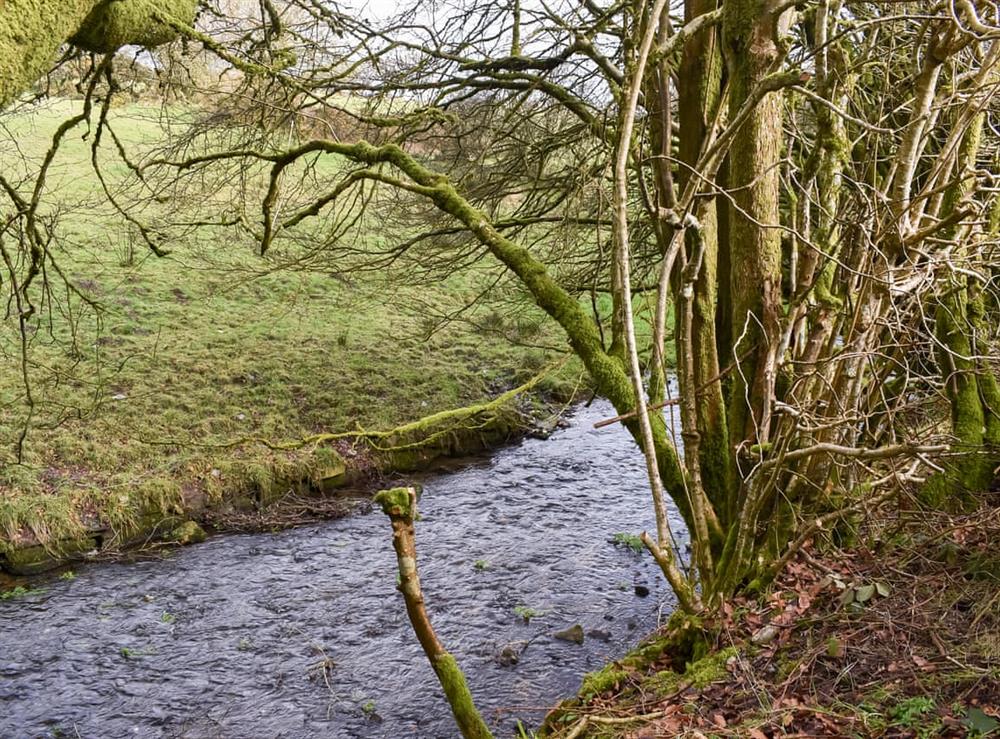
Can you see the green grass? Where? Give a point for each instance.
(140, 406)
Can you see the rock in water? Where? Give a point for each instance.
(573, 633)
(510, 654)
(188, 533)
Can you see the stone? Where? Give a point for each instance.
(33, 560)
(641, 590)
(510, 654)
(765, 634)
(574, 634)
(188, 532)
(332, 475)
(600, 635)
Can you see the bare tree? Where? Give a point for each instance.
(794, 198)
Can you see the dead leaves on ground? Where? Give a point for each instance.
(878, 642)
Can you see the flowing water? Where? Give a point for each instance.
(302, 634)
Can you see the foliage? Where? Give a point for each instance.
(910, 713)
(628, 541)
(527, 613)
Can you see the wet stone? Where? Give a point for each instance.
(188, 532)
(510, 654)
(573, 634)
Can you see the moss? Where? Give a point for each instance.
(710, 669)
(698, 674)
(823, 290)
(456, 689)
(116, 23)
(607, 678)
(685, 642)
(328, 470)
(395, 502)
(30, 36)
(36, 559)
(188, 532)
(33, 30)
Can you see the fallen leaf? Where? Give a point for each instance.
(864, 593)
(978, 720)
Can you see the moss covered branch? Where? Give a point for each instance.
(400, 505)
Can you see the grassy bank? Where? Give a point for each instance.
(149, 385)
(897, 637)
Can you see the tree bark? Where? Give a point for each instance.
(750, 29)
(699, 97)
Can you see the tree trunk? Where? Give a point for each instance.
(750, 31)
(969, 381)
(699, 93)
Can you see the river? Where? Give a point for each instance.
(301, 633)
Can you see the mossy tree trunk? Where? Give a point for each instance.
(970, 382)
(699, 98)
(31, 32)
(750, 31)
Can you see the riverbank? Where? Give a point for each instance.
(196, 386)
(317, 478)
(899, 636)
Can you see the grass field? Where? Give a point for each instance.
(138, 404)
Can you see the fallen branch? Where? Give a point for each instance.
(440, 424)
(581, 726)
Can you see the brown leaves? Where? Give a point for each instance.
(808, 667)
